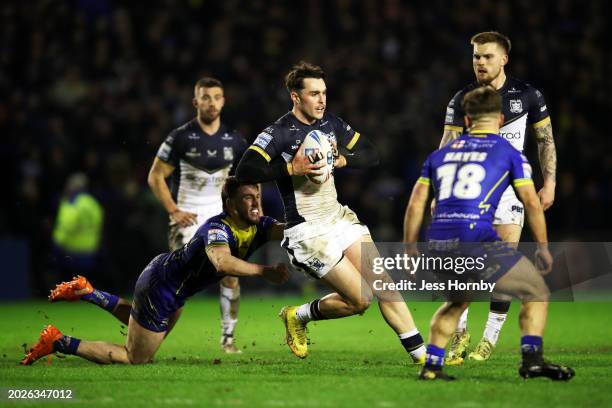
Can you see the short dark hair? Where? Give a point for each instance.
(481, 101)
(294, 80)
(208, 82)
(492, 37)
(229, 189)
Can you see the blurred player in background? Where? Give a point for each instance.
(199, 156)
(522, 104)
(322, 237)
(218, 249)
(469, 177)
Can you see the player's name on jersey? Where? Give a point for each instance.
(449, 285)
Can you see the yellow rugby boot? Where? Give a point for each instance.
(483, 350)
(296, 331)
(458, 349)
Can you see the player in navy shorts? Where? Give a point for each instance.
(218, 249)
(468, 177)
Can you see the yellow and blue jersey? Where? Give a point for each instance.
(468, 177)
(188, 270)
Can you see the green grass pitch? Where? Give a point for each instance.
(354, 362)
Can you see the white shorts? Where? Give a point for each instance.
(510, 210)
(315, 247)
(179, 236)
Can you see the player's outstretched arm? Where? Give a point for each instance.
(547, 154)
(227, 264)
(537, 222)
(415, 211)
(158, 173)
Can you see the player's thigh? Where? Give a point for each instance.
(509, 233)
(142, 343)
(173, 319)
(346, 280)
(523, 281)
(230, 282)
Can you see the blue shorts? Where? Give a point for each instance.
(154, 303)
(482, 241)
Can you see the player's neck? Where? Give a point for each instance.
(301, 117)
(240, 224)
(210, 128)
(484, 126)
(499, 81)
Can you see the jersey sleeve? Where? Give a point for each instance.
(426, 173)
(520, 169)
(217, 234)
(267, 143)
(345, 134)
(538, 112)
(169, 151)
(453, 120)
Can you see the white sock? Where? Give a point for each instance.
(462, 324)
(495, 322)
(418, 352)
(228, 303)
(303, 313)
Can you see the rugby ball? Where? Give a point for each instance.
(318, 142)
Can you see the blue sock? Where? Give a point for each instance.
(434, 357)
(67, 345)
(531, 344)
(100, 298)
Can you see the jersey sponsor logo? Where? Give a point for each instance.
(217, 235)
(211, 153)
(164, 151)
(516, 105)
(513, 90)
(297, 144)
(315, 264)
(193, 136)
(228, 153)
(450, 114)
(293, 128)
(263, 140)
(287, 157)
(324, 123)
(193, 153)
(517, 209)
(511, 135)
(226, 136)
(269, 130)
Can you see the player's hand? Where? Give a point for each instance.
(339, 160)
(303, 165)
(276, 274)
(543, 259)
(184, 218)
(547, 196)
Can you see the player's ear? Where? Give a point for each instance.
(295, 97)
(504, 60)
(468, 122)
(195, 102)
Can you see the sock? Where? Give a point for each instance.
(106, 301)
(434, 358)
(462, 324)
(66, 345)
(413, 343)
(229, 302)
(531, 348)
(495, 322)
(310, 311)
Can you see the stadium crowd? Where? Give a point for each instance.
(91, 86)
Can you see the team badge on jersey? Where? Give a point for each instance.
(217, 236)
(516, 105)
(228, 153)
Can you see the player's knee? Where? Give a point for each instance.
(137, 358)
(361, 305)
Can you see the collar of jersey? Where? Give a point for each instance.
(481, 133)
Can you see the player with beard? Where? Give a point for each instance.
(218, 249)
(522, 105)
(322, 237)
(199, 156)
